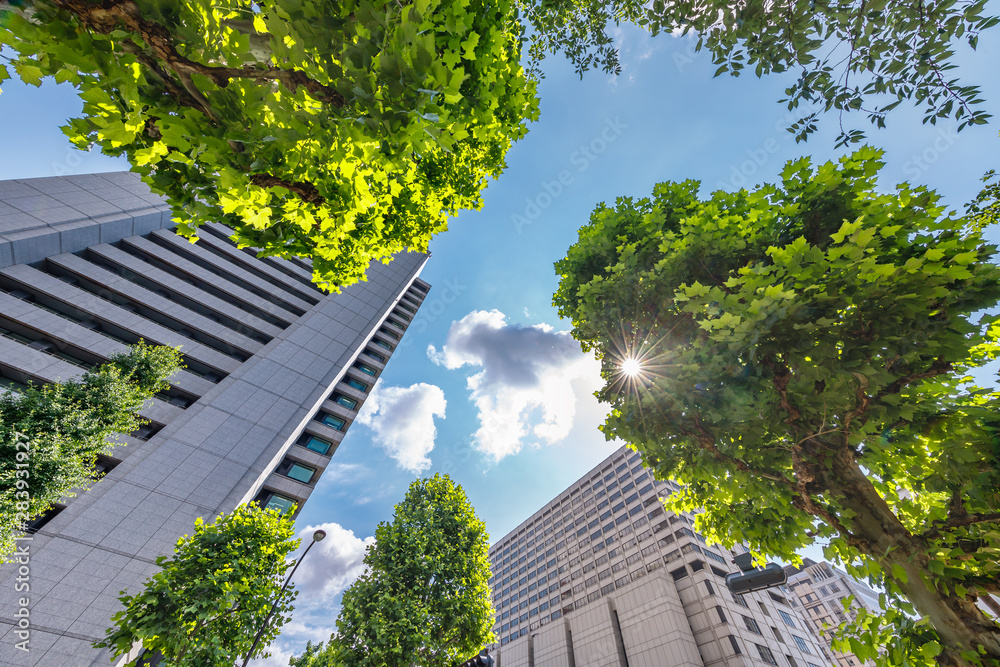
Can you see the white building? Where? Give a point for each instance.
(823, 592)
(604, 576)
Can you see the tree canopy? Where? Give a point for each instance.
(50, 436)
(850, 55)
(803, 355)
(206, 604)
(340, 131)
(424, 598)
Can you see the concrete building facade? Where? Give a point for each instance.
(604, 576)
(276, 372)
(822, 592)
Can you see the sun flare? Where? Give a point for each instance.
(631, 367)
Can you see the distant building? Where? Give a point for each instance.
(603, 576)
(823, 591)
(276, 372)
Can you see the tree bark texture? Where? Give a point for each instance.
(877, 532)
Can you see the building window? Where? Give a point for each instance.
(801, 643)
(280, 503)
(336, 423)
(751, 625)
(388, 333)
(722, 614)
(777, 635)
(296, 471)
(786, 618)
(735, 645)
(39, 521)
(714, 556)
(381, 343)
(344, 401)
(766, 655)
(375, 355)
(791, 661)
(367, 370)
(355, 384)
(316, 444)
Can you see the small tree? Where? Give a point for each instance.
(206, 604)
(50, 436)
(341, 131)
(424, 599)
(798, 356)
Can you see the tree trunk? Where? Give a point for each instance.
(878, 533)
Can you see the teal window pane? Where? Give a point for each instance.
(368, 370)
(280, 503)
(348, 403)
(395, 324)
(360, 386)
(300, 473)
(389, 334)
(334, 422)
(375, 355)
(383, 344)
(317, 445)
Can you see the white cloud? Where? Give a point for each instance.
(332, 564)
(330, 568)
(403, 421)
(528, 378)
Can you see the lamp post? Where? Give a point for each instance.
(317, 536)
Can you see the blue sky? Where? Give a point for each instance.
(663, 118)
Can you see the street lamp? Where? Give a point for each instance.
(317, 536)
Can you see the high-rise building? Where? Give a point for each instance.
(276, 371)
(604, 576)
(829, 596)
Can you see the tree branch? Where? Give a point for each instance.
(305, 190)
(707, 443)
(107, 15)
(959, 522)
(781, 378)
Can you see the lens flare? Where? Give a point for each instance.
(631, 367)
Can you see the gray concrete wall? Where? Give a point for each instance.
(216, 453)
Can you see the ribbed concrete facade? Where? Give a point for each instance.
(823, 591)
(604, 576)
(276, 372)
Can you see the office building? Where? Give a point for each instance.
(276, 372)
(829, 597)
(604, 576)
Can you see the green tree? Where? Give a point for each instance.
(424, 599)
(341, 131)
(206, 604)
(850, 55)
(50, 436)
(798, 357)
